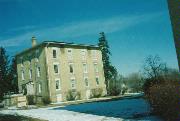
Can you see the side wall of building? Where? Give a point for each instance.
(33, 62)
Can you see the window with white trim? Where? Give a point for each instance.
(96, 67)
(71, 69)
(22, 74)
(22, 61)
(73, 83)
(57, 84)
(94, 54)
(97, 80)
(83, 54)
(29, 59)
(30, 73)
(85, 68)
(54, 53)
(38, 71)
(69, 53)
(86, 82)
(37, 56)
(56, 69)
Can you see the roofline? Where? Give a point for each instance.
(57, 43)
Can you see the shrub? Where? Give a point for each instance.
(73, 95)
(164, 99)
(97, 92)
(114, 91)
(30, 99)
(124, 89)
(46, 100)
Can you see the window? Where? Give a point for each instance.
(39, 88)
(54, 53)
(86, 82)
(38, 71)
(37, 56)
(96, 67)
(56, 68)
(30, 73)
(83, 53)
(22, 61)
(29, 59)
(22, 75)
(71, 68)
(73, 84)
(84, 67)
(97, 80)
(94, 54)
(69, 54)
(57, 84)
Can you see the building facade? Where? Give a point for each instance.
(52, 69)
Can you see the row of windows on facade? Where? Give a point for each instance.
(56, 70)
(83, 53)
(73, 84)
(30, 58)
(71, 68)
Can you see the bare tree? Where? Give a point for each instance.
(154, 67)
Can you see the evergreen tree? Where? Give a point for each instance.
(4, 70)
(13, 76)
(110, 71)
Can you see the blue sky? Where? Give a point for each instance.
(134, 28)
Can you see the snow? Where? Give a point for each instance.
(118, 110)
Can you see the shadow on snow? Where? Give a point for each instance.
(124, 108)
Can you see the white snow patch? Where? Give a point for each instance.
(119, 110)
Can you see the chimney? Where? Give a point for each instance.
(33, 41)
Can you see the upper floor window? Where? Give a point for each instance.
(69, 53)
(56, 68)
(57, 84)
(22, 75)
(37, 56)
(94, 54)
(83, 54)
(97, 80)
(85, 68)
(71, 70)
(95, 67)
(22, 61)
(38, 72)
(54, 53)
(30, 73)
(73, 84)
(29, 59)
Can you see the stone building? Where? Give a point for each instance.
(51, 69)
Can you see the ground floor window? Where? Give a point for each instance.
(97, 80)
(57, 84)
(73, 84)
(86, 82)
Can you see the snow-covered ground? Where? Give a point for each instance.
(119, 110)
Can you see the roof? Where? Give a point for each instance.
(57, 43)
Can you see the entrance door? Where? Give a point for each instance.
(59, 97)
(88, 94)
